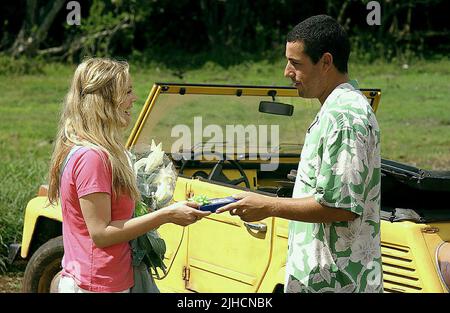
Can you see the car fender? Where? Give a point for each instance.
(37, 207)
(274, 278)
(281, 276)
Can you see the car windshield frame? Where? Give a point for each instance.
(267, 93)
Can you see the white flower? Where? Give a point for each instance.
(317, 278)
(365, 250)
(372, 204)
(139, 164)
(374, 192)
(346, 289)
(372, 211)
(343, 163)
(318, 254)
(156, 182)
(348, 168)
(373, 122)
(347, 236)
(165, 184)
(374, 288)
(320, 257)
(293, 286)
(153, 146)
(155, 159)
(324, 274)
(165, 175)
(342, 262)
(360, 150)
(163, 194)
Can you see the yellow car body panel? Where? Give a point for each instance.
(176, 242)
(222, 237)
(37, 207)
(408, 254)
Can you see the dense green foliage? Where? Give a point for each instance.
(185, 34)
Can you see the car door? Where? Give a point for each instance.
(175, 238)
(224, 253)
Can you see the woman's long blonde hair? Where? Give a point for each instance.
(92, 118)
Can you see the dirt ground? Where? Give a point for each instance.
(11, 282)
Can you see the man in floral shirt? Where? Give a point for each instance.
(334, 229)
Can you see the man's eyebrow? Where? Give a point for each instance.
(292, 59)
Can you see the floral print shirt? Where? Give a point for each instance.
(340, 168)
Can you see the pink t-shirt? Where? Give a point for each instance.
(94, 269)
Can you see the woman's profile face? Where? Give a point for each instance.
(126, 106)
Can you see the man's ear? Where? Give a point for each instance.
(327, 61)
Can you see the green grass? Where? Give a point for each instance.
(414, 112)
(413, 115)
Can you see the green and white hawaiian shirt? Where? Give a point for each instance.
(340, 166)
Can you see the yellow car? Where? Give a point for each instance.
(228, 139)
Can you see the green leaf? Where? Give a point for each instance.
(158, 245)
(140, 209)
(200, 199)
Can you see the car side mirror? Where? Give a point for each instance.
(277, 108)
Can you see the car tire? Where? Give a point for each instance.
(43, 267)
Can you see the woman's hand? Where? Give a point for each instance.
(184, 213)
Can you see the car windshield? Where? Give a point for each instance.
(221, 120)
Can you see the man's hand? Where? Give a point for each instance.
(251, 207)
(184, 213)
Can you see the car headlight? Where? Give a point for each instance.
(443, 263)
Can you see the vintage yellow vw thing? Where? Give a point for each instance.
(198, 125)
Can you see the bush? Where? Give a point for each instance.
(21, 65)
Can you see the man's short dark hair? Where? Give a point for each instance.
(320, 34)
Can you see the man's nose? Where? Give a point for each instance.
(288, 73)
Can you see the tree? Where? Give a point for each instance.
(38, 19)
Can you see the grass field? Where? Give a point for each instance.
(413, 115)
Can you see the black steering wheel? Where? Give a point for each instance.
(217, 174)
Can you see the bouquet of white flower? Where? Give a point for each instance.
(156, 179)
(156, 176)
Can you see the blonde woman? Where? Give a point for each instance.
(97, 187)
